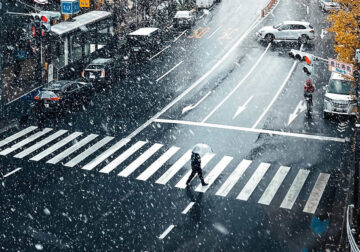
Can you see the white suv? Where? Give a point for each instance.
(288, 30)
(340, 96)
(327, 5)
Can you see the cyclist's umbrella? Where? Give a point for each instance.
(201, 149)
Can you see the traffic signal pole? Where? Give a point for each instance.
(357, 155)
(2, 103)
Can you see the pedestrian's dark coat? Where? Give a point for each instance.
(195, 161)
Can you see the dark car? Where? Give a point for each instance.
(184, 19)
(103, 70)
(59, 95)
(144, 41)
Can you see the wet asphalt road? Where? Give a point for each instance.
(242, 98)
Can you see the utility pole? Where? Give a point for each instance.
(357, 149)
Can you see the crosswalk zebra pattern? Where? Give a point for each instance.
(171, 165)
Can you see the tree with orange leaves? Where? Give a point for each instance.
(345, 26)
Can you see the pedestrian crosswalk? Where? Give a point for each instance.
(226, 175)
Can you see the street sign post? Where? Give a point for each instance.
(340, 67)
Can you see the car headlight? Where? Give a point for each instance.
(326, 99)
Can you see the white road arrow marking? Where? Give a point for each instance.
(192, 106)
(242, 108)
(301, 107)
(323, 32)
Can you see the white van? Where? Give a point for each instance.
(340, 96)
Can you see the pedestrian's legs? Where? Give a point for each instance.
(190, 177)
(199, 172)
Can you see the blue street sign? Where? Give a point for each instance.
(76, 7)
(66, 7)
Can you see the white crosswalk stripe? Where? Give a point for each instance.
(72, 149)
(117, 161)
(56, 146)
(140, 160)
(154, 167)
(233, 178)
(175, 168)
(295, 189)
(40, 144)
(88, 152)
(274, 185)
(253, 182)
(96, 161)
(316, 193)
(17, 135)
(25, 141)
(214, 174)
(204, 161)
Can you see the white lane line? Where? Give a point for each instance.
(192, 106)
(40, 144)
(123, 156)
(214, 174)
(25, 141)
(88, 152)
(172, 69)
(174, 168)
(17, 135)
(166, 232)
(96, 161)
(238, 85)
(159, 52)
(23, 95)
(56, 146)
(274, 185)
(295, 189)
(179, 36)
(187, 209)
(12, 172)
(316, 193)
(198, 82)
(253, 182)
(204, 161)
(233, 178)
(212, 34)
(278, 92)
(72, 149)
(154, 167)
(140, 160)
(261, 131)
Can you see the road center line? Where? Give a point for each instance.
(212, 34)
(166, 232)
(187, 209)
(172, 69)
(238, 85)
(194, 85)
(159, 52)
(12, 172)
(254, 130)
(278, 92)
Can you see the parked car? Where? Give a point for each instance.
(59, 95)
(340, 96)
(200, 4)
(184, 19)
(144, 41)
(101, 70)
(327, 5)
(288, 30)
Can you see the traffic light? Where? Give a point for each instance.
(308, 66)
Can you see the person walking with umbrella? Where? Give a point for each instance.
(196, 164)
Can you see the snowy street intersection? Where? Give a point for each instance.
(110, 175)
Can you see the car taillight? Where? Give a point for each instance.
(83, 73)
(312, 31)
(103, 73)
(55, 98)
(36, 98)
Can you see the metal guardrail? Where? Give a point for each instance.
(353, 246)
